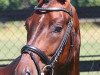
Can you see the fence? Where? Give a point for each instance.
(13, 37)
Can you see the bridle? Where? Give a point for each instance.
(31, 49)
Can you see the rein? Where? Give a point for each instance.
(31, 49)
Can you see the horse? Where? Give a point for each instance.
(53, 42)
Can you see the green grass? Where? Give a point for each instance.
(90, 44)
(90, 41)
(90, 73)
(12, 38)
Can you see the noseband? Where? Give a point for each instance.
(31, 49)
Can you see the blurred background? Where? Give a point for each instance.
(13, 14)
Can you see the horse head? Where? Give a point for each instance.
(51, 34)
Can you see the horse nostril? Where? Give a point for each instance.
(27, 73)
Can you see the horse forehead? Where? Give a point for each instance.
(53, 16)
(56, 14)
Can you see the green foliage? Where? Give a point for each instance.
(16, 4)
(9, 4)
(20, 4)
(75, 3)
(86, 3)
(4, 4)
(33, 2)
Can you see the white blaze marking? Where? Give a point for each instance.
(41, 19)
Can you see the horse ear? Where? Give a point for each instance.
(63, 1)
(41, 2)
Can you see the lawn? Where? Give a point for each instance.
(12, 38)
(90, 40)
(90, 45)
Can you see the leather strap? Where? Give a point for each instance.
(44, 58)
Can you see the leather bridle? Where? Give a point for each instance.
(31, 49)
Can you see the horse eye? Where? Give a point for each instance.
(57, 29)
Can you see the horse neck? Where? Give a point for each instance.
(9, 69)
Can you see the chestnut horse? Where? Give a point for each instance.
(53, 42)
